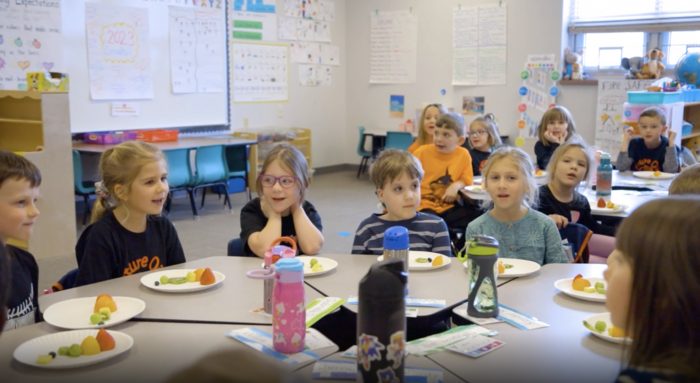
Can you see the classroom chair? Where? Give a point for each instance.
(578, 236)
(398, 140)
(66, 282)
(362, 152)
(82, 188)
(599, 246)
(235, 248)
(179, 176)
(237, 166)
(211, 170)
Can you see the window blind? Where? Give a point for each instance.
(602, 16)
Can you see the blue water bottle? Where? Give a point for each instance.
(603, 187)
(396, 244)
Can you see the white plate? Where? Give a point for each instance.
(327, 263)
(29, 351)
(521, 267)
(543, 175)
(479, 189)
(605, 317)
(650, 175)
(607, 211)
(149, 280)
(565, 286)
(415, 266)
(74, 314)
(478, 180)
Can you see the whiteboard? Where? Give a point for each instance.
(165, 109)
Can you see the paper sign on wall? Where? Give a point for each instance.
(393, 42)
(479, 45)
(253, 26)
(260, 72)
(125, 109)
(118, 52)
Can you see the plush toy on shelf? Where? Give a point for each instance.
(633, 66)
(694, 145)
(572, 59)
(653, 67)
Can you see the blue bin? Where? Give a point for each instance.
(644, 97)
(691, 95)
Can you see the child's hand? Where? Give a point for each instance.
(549, 136)
(628, 135)
(559, 220)
(296, 206)
(451, 193)
(671, 138)
(267, 209)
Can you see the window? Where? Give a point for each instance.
(608, 30)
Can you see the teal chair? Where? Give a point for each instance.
(362, 152)
(398, 140)
(237, 167)
(211, 170)
(82, 188)
(179, 176)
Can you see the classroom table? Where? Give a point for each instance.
(160, 351)
(229, 302)
(410, 361)
(563, 352)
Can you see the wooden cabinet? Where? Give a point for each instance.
(37, 125)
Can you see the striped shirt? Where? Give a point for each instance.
(426, 232)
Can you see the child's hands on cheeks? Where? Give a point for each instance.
(556, 138)
(267, 209)
(559, 220)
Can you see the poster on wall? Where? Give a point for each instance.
(196, 50)
(260, 72)
(253, 26)
(479, 45)
(538, 92)
(393, 42)
(30, 41)
(119, 52)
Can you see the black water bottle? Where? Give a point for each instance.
(381, 323)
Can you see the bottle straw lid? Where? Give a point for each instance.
(396, 238)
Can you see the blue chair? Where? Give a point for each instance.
(179, 176)
(212, 170)
(578, 236)
(235, 248)
(362, 152)
(237, 167)
(66, 282)
(82, 188)
(398, 140)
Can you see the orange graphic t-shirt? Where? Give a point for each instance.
(441, 171)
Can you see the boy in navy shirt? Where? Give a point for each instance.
(650, 151)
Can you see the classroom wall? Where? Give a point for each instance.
(534, 26)
(319, 108)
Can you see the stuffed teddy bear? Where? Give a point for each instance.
(653, 67)
(571, 58)
(694, 145)
(633, 66)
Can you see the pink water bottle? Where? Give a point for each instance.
(288, 306)
(272, 255)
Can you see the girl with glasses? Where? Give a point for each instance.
(482, 138)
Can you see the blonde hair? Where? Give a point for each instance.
(292, 160)
(452, 121)
(488, 122)
(660, 241)
(422, 134)
(391, 163)
(563, 148)
(524, 164)
(556, 113)
(687, 182)
(654, 112)
(120, 165)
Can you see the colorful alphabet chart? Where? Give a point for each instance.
(30, 41)
(260, 72)
(196, 50)
(538, 92)
(118, 52)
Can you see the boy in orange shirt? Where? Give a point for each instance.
(448, 169)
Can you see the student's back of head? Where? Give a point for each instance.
(119, 167)
(687, 182)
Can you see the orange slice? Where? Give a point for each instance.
(437, 261)
(579, 283)
(501, 268)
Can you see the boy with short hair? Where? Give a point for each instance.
(688, 182)
(650, 150)
(397, 176)
(448, 169)
(19, 190)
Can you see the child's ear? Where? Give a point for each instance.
(461, 141)
(120, 193)
(664, 129)
(380, 194)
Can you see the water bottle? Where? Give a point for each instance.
(396, 244)
(482, 268)
(289, 306)
(272, 255)
(381, 323)
(603, 188)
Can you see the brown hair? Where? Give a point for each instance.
(654, 112)
(489, 123)
(563, 148)
(13, 166)
(120, 165)
(292, 160)
(660, 241)
(452, 121)
(422, 134)
(524, 165)
(391, 163)
(687, 182)
(4, 284)
(556, 113)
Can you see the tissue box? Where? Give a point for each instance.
(47, 81)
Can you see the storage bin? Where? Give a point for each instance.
(158, 135)
(644, 97)
(632, 111)
(691, 95)
(687, 128)
(108, 138)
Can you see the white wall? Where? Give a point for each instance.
(321, 108)
(534, 26)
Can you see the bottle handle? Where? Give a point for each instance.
(261, 274)
(285, 239)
